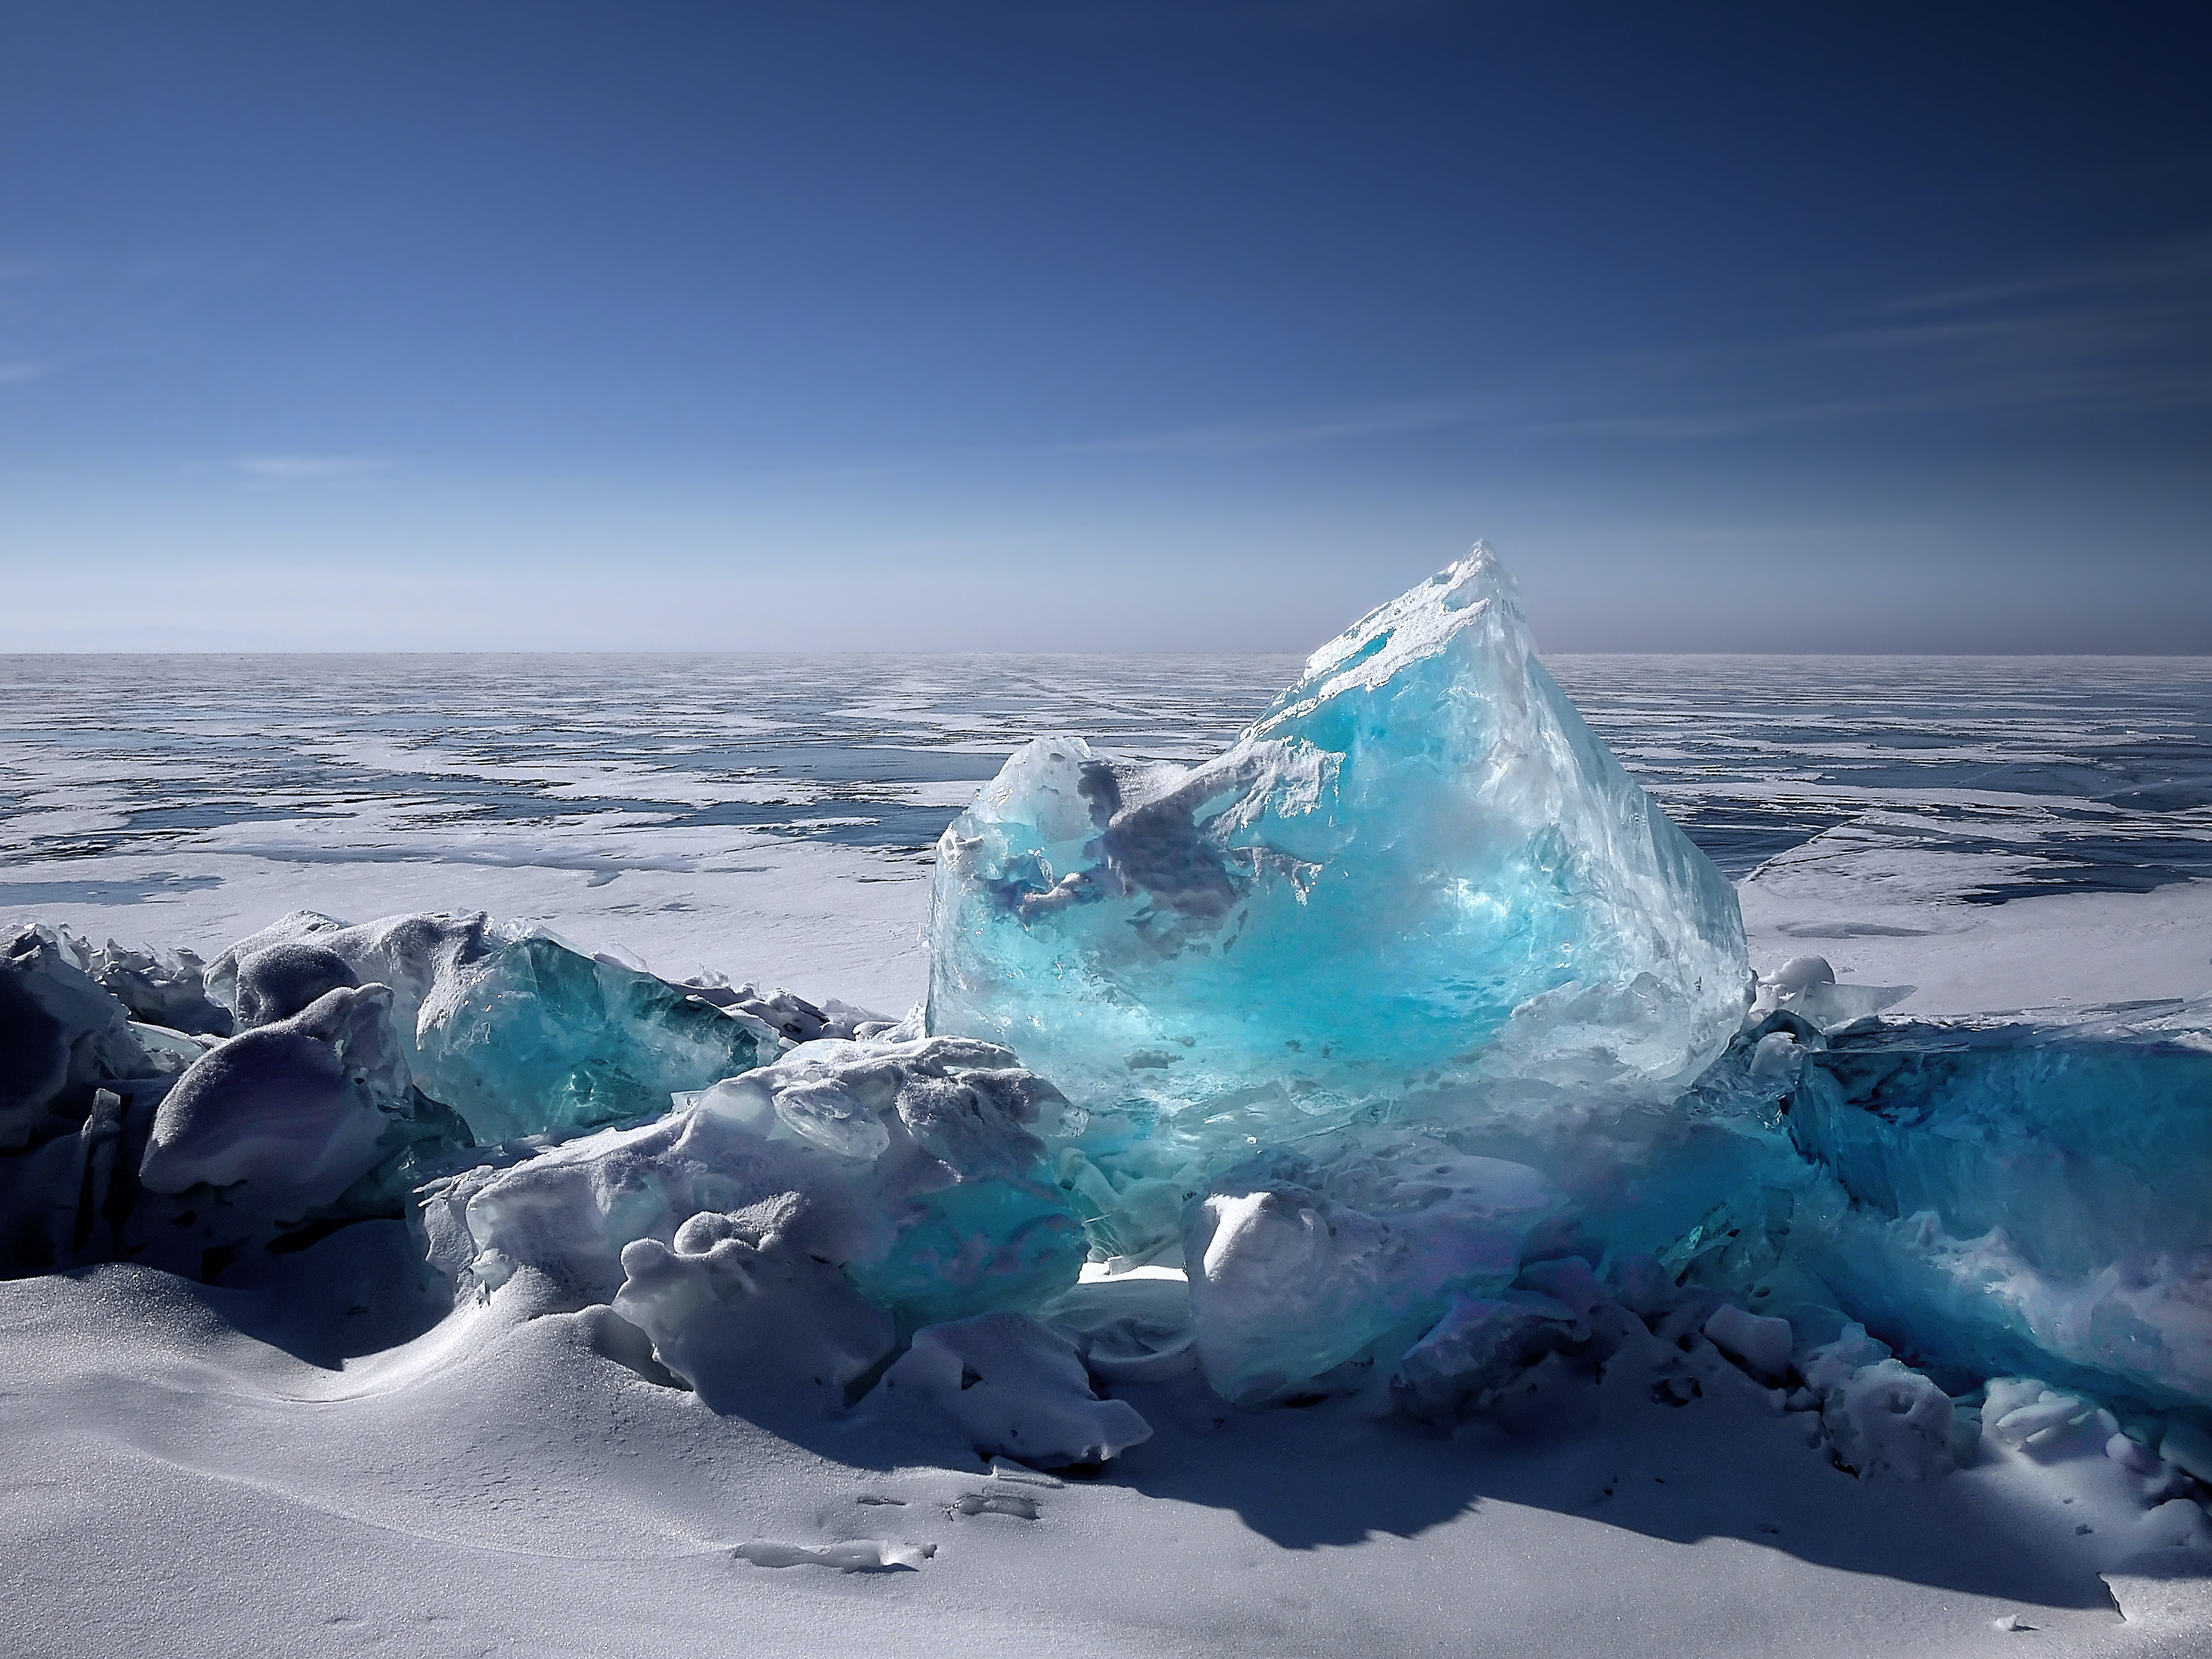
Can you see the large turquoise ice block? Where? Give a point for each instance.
(2022, 1198)
(1419, 867)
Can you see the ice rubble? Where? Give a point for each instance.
(909, 1165)
(1410, 1039)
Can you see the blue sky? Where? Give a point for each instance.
(1101, 326)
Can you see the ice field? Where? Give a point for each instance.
(1370, 1166)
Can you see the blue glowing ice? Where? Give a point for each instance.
(1419, 866)
(2021, 1198)
(509, 1027)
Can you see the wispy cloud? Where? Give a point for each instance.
(309, 469)
(1242, 438)
(2131, 334)
(2128, 334)
(15, 373)
(2181, 266)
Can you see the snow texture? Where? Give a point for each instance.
(1013, 1389)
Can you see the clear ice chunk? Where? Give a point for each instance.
(1419, 867)
(2016, 1197)
(517, 1033)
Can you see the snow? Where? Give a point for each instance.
(178, 1482)
(1882, 918)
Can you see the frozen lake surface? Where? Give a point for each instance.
(2002, 833)
(772, 815)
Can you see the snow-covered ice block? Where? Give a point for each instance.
(1297, 1265)
(1132, 1327)
(1762, 1344)
(752, 1310)
(297, 1110)
(2187, 1447)
(1883, 1418)
(916, 1160)
(1480, 1345)
(1419, 866)
(62, 1038)
(166, 988)
(1013, 1388)
(517, 1033)
(278, 981)
(968, 1103)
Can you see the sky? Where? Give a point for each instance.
(1107, 326)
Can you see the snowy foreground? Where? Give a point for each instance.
(1418, 1234)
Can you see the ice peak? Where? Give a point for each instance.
(1418, 865)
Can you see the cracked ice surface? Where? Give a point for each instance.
(1419, 867)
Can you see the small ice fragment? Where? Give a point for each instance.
(1801, 974)
(1776, 1062)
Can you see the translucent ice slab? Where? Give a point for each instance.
(2021, 1197)
(1419, 866)
(517, 1033)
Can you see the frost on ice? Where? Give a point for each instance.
(1406, 1049)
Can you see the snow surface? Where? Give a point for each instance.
(190, 1472)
